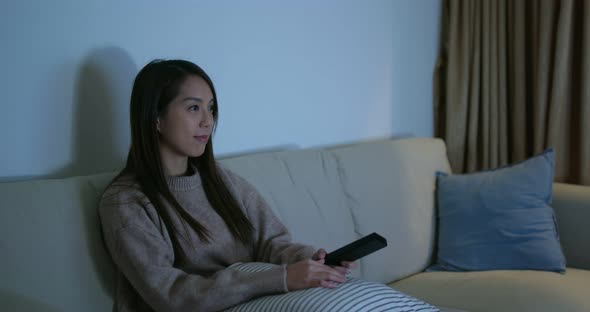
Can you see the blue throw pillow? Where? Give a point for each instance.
(499, 219)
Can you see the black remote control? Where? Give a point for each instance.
(356, 249)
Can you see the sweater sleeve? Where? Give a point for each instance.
(273, 243)
(146, 259)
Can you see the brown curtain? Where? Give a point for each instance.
(513, 78)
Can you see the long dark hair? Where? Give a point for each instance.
(156, 85)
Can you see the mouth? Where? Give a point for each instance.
(202, 138)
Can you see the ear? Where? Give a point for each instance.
(158, 124)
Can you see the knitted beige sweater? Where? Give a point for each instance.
(150, 277)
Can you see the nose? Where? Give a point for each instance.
(207, 119)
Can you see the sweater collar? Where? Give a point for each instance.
(184, 183)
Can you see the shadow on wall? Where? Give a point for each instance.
(10, 301)
(101, 113)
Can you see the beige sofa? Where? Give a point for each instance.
(53, 259)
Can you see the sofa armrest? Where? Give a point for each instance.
(572, 209)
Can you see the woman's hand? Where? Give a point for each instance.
(313, 273)
(345, 266)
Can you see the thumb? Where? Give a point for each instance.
(320, 254)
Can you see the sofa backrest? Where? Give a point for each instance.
(304, 189)
(329, 197)
(391, 191)
(53, 258)
(51, 251)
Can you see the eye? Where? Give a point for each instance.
(194, 108)
(211, 108)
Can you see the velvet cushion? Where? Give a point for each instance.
(499, 219)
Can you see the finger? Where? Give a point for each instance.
(328, 284)
(341, 270)
(336, 271)
(314, 264)
(331, 276)
(320, 267)
(319, 254)
(349, 265)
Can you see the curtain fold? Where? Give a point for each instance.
(513, 79)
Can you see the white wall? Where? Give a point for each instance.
(304, 73)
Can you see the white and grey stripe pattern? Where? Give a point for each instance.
(354, 295)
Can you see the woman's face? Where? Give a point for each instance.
(186, 126)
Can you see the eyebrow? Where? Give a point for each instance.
(190, 98)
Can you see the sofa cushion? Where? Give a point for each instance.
(389, 188)
(499, 219)
(52, 254)
(572, 209)
(505, 291)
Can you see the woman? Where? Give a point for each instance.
(174, 221)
